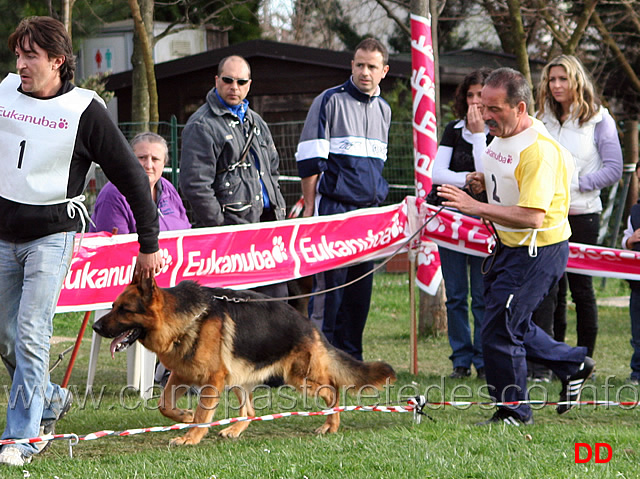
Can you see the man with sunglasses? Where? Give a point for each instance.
(223, 186)
(229, 164)
(340, 157)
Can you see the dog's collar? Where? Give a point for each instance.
(202, 314)
(196, 319)
(232, 300)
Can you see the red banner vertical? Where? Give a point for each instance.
(425, 138)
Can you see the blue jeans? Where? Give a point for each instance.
(460, 270)
(31, 276)
(634, 313)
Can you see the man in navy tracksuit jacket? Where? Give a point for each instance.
(340, 157)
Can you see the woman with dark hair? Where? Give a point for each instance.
(459, 153)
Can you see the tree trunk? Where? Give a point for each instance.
(520, 43)
(433, 314)
(631, 153)
(67, 7)
(144, 104)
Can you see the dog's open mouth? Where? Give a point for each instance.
(125, 340)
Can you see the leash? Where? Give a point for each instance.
(376, 268)
(335, 288)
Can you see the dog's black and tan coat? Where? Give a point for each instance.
(211, 342)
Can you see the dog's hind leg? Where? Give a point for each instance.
(331, 396)
(246, 409)
(173, 391)
(309, 373)
(207, 405)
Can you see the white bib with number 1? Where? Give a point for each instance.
(37, 139)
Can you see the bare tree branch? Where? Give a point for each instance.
(583, 22)
(611, 43)
(393, 17)
(543, 10)
(633, 15)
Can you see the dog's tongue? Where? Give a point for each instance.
(116, 342)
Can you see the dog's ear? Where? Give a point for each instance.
(147, 287)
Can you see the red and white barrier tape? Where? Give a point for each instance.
(74, 438)
(415, 405)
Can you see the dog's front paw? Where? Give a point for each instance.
(322, 429)
(186, 416)
(329, 427)
(183, 441)
(233, 431)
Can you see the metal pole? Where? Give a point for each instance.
(76, 347)
(413, 335)
(174, 151)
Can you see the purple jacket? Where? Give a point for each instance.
(112, 210)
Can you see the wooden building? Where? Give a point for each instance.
(286, 77)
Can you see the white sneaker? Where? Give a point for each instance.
(43, 445)
(12, 456)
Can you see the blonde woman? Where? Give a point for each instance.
(572, 112)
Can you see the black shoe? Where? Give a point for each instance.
(49, 426)
(460, 372)
(481, 374)
(572, 387)
(507, 417)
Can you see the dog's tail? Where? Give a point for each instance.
(349, 372)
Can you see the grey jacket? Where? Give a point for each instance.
(221, 191)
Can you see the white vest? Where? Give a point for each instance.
(37, 140)
(580, 141)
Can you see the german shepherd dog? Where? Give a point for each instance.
(214, 337)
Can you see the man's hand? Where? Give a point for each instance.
(309, 194)
(458, 199)
(510, 216)
(475, 180)
(148, 265)
(633, 239)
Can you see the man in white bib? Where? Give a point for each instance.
(50, 133)
(526, 176)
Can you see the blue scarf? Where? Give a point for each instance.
(240, 111)
(237, 110)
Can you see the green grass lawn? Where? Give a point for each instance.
(368, 444)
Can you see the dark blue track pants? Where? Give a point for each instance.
(515, 285)
(342, 314)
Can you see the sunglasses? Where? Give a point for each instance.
(239, 81)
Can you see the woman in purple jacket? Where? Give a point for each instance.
(112, 212)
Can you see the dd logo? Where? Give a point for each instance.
(597, 447)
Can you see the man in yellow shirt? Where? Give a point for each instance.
(526, 176)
